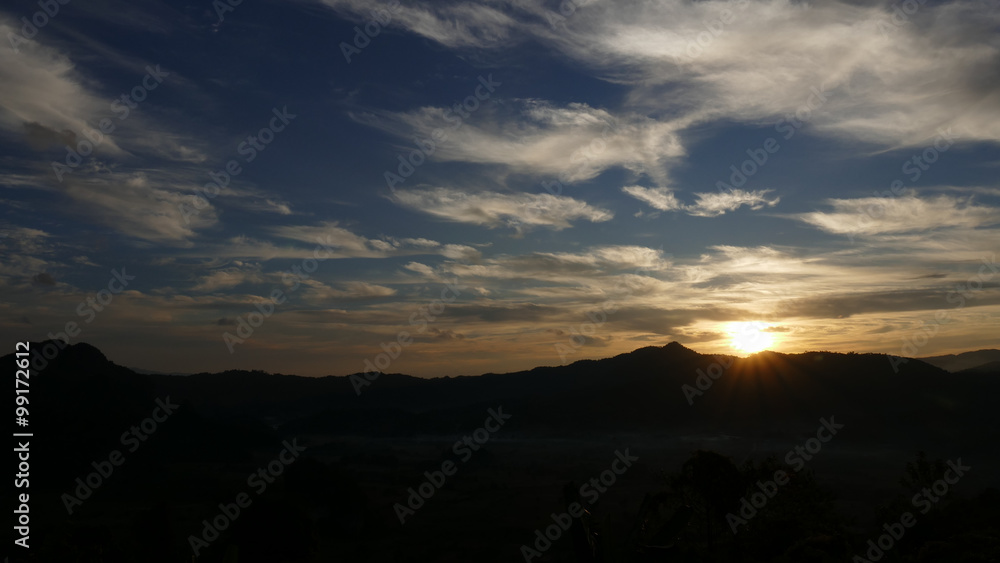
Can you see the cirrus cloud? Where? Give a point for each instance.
(492, 209)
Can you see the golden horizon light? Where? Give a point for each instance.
(750, 337)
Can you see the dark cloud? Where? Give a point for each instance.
(40, 137)
(446, 334)
(843, 306)
(43, 279)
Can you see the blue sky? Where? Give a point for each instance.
(730, 175)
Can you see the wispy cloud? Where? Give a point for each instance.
(492, 209)
(879, 215)
(710, 204)
(574, 142)
(662, 199)
(875, 90)
(341, 242)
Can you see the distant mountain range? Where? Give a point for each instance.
(652, 389)
(365, 450)
(980, 360)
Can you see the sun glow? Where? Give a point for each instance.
(750, 337)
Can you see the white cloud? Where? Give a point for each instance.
(50, 100)
(351, 245)
(230, 277)
(707, 205)
(318, 292)
(144, 205)
(45, 98)
(572, 143)
(493, 209)
(713, 204)
(765, 61)
(657, 198)
(880, 215)
(422, 269)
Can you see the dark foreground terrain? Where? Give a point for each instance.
(662, 454)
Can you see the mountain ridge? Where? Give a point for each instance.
(654, 387)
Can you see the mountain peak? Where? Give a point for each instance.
(677, 347)
(80, 354)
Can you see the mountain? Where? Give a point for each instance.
(364, 453)
(988, 368)
(963, 361)
(651, 389)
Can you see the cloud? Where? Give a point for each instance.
(714, 204)
(884, 215)
(657, 198)
(329, 233)
(874, 89)
(350, 245)
(492, 209)
(145, 205)
(43, 279)
(446, 334)
(228, 278)
(590, 276)
(40, 137)
(45, 100)
(422, 269)
(453, 24)
(707, 204)
(318, 292)
(611, 257)
(156, 205)
(571, 143)
(852, 73)
(49, 99)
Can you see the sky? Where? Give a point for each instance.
(439, 188)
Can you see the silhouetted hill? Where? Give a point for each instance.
(82, 403)
(664, 389)
(963, 361)
(366, 450)
(992, 368)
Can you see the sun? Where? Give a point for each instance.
(750, 337)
